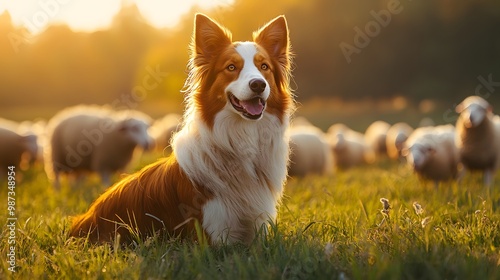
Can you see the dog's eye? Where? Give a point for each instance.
(231, 67)
(264, 66)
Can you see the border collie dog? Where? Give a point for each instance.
(229, 161)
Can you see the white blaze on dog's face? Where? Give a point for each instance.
(249, 92)
(247, 79)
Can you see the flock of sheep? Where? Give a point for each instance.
(436, 153)
(81, 140)
(95, 139)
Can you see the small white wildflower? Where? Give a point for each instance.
(329, 249)
(342, 276)
(477, 212)
(426, 221)
(387, 206)
(418, 208)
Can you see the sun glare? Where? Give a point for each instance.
(167, 13)
(90, 15)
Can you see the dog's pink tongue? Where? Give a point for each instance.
(253, 106)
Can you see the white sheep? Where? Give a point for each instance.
(496, 122)
(338, 128)
(348, 147)
(375, 137)
(309, 152)
(432, 154)
(163, 129)
(396, 137)
(94, 139)
(15, 147)
(38, 128)
(9, 124)
(424, 122)
(476, 139)
(300, 121)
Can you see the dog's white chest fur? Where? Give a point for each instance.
(244, 164)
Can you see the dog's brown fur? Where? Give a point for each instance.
(143, 208)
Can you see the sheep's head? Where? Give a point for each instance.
(30, 146)
(400, 140)
(418, 155)
(473, 110)
(137, 131)
(338, 143)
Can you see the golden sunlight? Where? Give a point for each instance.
(90, 15)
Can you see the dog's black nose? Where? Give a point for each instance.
(257, 85)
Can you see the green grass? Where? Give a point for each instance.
(328, 227)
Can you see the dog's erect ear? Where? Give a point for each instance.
(208, 37)
(274, 38)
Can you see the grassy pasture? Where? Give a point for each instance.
(329, 227)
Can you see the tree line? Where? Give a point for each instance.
(346, 49)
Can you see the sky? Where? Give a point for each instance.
(89, 15)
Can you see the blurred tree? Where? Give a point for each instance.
(427, 50)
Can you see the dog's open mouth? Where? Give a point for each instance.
(252, 108)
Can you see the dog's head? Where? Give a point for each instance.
(248, 79)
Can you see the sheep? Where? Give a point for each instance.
(38, 128)
(348, 147)
(396, 137)
(309, 152)
(27, 128)
(11, 125)
(496, 122)
(338, 128)
(476, 139)
(300, 121)
(163, 129)
(424, 122)
(375, 137)
(93, 139)
(14, 147)
(432, 154)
